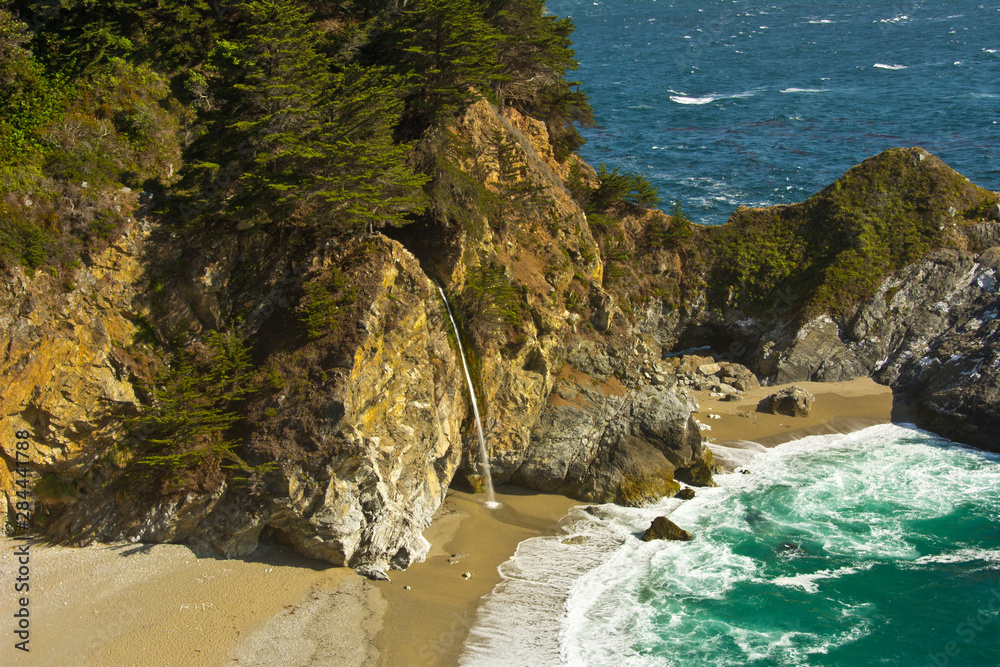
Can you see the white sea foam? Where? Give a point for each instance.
(683, 99)
(805, 90)
(519, 623)
(734, 454)
(961, 556)
(844, 501)
(807, 582)
(890, 67)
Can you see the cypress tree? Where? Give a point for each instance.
(294, 142)
(446, 48)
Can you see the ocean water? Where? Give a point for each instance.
(724, 103)
(880, 547)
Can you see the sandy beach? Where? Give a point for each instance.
(128, 604)
(840, 407)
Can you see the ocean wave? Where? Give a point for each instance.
(684, 98)
(815, 515)
(520, 622)
(681, 99)
(736, 453)
(968, 555)
(890, 67)
(805, 90)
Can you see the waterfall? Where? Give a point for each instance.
(484, 459)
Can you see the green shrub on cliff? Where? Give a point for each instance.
(832, 251)
(186, 429)
(489, 302)
(28, 100)
(620, 188)
(323, 302)
(670, 234)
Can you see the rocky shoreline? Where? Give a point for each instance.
(276, 608)
(359, 432)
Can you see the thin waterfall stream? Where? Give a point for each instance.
(484, 459)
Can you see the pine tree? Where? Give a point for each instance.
(534, 57)
(446, 49)
(78, 35)
(489, 302)
(293, 142)
(515, 189)
(195, 402)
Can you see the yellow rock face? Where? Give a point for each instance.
(62, 381)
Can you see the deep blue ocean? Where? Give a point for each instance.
(737, 102)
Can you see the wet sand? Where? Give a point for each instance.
(427, 624)
(128, 604)
(840, 407)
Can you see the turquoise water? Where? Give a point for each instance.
(738, 102)
(880, 547)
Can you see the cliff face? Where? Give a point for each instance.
(359, 420)
(68, 377)
(359, 407)
(925, 328)
(930, 333)
(362, 424)
(571, 338)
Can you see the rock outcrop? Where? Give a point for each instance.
(68, 376)
(793, 401)
(599, 441)
(361, 422)
(663, 528)
(926, 329)
(363, 425)
(930, 333)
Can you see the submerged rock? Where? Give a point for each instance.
(663, 528)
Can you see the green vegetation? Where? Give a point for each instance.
(323, 303)
(187, 430)
(292, 142)
(621, 188)
(327, 118)
(832, 251)
(516, 193)
(674, 233)
(489, 302)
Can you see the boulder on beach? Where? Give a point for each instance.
(792, 401)
(663, 528)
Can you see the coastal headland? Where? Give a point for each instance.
(231, 380)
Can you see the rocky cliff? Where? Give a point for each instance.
(356, 420)
(918, 317)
